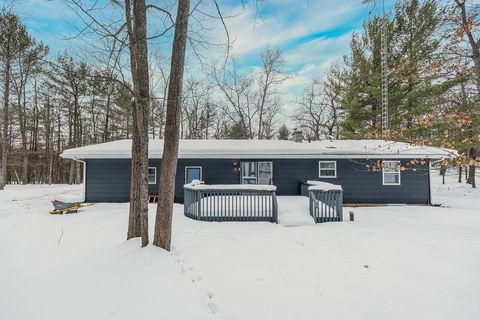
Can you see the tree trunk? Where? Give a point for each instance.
(459, 173)
(472, 166)
(134, 212)
(139, 65)
(107, 118)
(6, 92)
(71, 173)
(443, 170)
(168, 167)
(25, 166)
(22, 121)
(143, 103)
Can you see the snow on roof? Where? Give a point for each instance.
(265, 149)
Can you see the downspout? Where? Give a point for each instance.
(84, 177)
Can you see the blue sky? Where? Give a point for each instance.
(311, 34)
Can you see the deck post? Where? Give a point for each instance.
(199, 203)
(340, 205)
(275, 207)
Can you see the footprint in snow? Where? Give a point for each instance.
(212, 307)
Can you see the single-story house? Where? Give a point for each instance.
(369, 171)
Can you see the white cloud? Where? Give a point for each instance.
(252, 33)
(289, 28)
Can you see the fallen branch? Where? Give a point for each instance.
(60, 239)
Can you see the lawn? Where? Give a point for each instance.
(396, 262)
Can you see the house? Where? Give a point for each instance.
(369, 171)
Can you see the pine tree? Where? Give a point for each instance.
(238, 131)
(362, 96)
(13, 36)
(417, 66)
(414, 66)
(283, 133)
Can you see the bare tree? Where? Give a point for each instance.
(319, 110)
(269, 77)
(333, 88)
(168, 167)
(250, 99)
(158, 88)
(310, 114)
(237, 91)
(199, 111)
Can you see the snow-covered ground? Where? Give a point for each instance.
(412, 262)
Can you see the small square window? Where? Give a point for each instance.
(152, 175)
(192, 173)
(327, 169)
(391, 173)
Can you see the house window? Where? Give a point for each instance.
(265, 172)
(152, 175)
(327, 169)
(253, 172)
(249, 173)
(192, 173)
(391, 173)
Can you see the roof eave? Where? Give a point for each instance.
(263, 156)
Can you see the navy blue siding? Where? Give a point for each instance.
(109, 180)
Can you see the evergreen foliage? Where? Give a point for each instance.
(283, 133)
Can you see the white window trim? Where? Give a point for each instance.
(193, 167)
(249, 177)
(256, 170)
(399, 174)
(319, 169)
(154, 168)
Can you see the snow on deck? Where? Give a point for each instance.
(228, 187)
(293, 211)
(268, 149)
(324, 186)
(396, 263)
